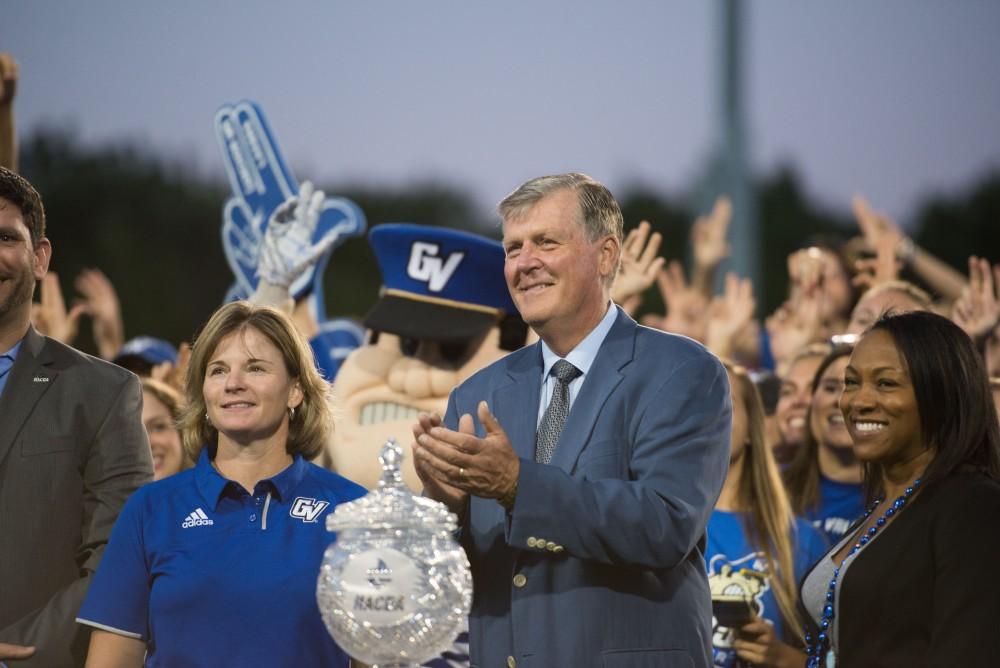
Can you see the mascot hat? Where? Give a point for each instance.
(438, 283)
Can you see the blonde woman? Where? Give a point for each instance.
(756, 548)
(217, 565)
(161, 408)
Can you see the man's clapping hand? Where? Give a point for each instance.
(455, 464)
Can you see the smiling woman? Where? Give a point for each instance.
(161, 406)
(242, 530)
(248, 370)
(880, 406)
(794, 397)
(824, 477)
(910, 583)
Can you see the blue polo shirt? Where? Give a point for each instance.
(209, 575)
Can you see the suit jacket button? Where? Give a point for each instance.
(550, 546)
(532, 542)
(520, 580)
(557, 549)
(511, 663)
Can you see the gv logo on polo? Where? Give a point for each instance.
(426, 265)
(306, 509)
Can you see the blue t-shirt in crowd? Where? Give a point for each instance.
(735, 567)
(208, 575)
(840, 503)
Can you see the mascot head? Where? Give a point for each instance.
(444, 312)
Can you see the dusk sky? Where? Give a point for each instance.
(897, 99)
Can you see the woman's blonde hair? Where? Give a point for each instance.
(310, 424)
(769, 522)
(168, 396)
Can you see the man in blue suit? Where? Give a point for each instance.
(584, 467)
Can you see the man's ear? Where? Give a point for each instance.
(43, 255)
(611, 250)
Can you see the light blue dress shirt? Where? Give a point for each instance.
(582, 357)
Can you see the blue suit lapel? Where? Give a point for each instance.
(604, 376)
(515, 403)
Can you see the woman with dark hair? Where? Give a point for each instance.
(824, 477)
(912, 582)
(217, 565)
(757, 549)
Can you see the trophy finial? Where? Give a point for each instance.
(391, 458)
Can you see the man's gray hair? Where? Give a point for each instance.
(599, 211)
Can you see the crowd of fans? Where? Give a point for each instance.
(795, 483)
(799, 476)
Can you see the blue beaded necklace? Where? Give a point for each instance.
(817, 650)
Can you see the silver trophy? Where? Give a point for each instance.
(395, 587)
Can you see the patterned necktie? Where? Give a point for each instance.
(556, 412)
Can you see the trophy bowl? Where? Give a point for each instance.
(395, 587)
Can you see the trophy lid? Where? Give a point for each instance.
(391, 505)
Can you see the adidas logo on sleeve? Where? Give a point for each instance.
(197, 519)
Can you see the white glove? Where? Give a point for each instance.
(287, 249)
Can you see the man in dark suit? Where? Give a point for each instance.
(72, 448)
(584, 467)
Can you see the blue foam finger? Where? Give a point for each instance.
(240, 168)
(261, 181)
(241, 236)
(275, 180)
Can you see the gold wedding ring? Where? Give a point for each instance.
(461, 472)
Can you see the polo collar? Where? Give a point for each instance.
(288, 480)
(212, 485)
